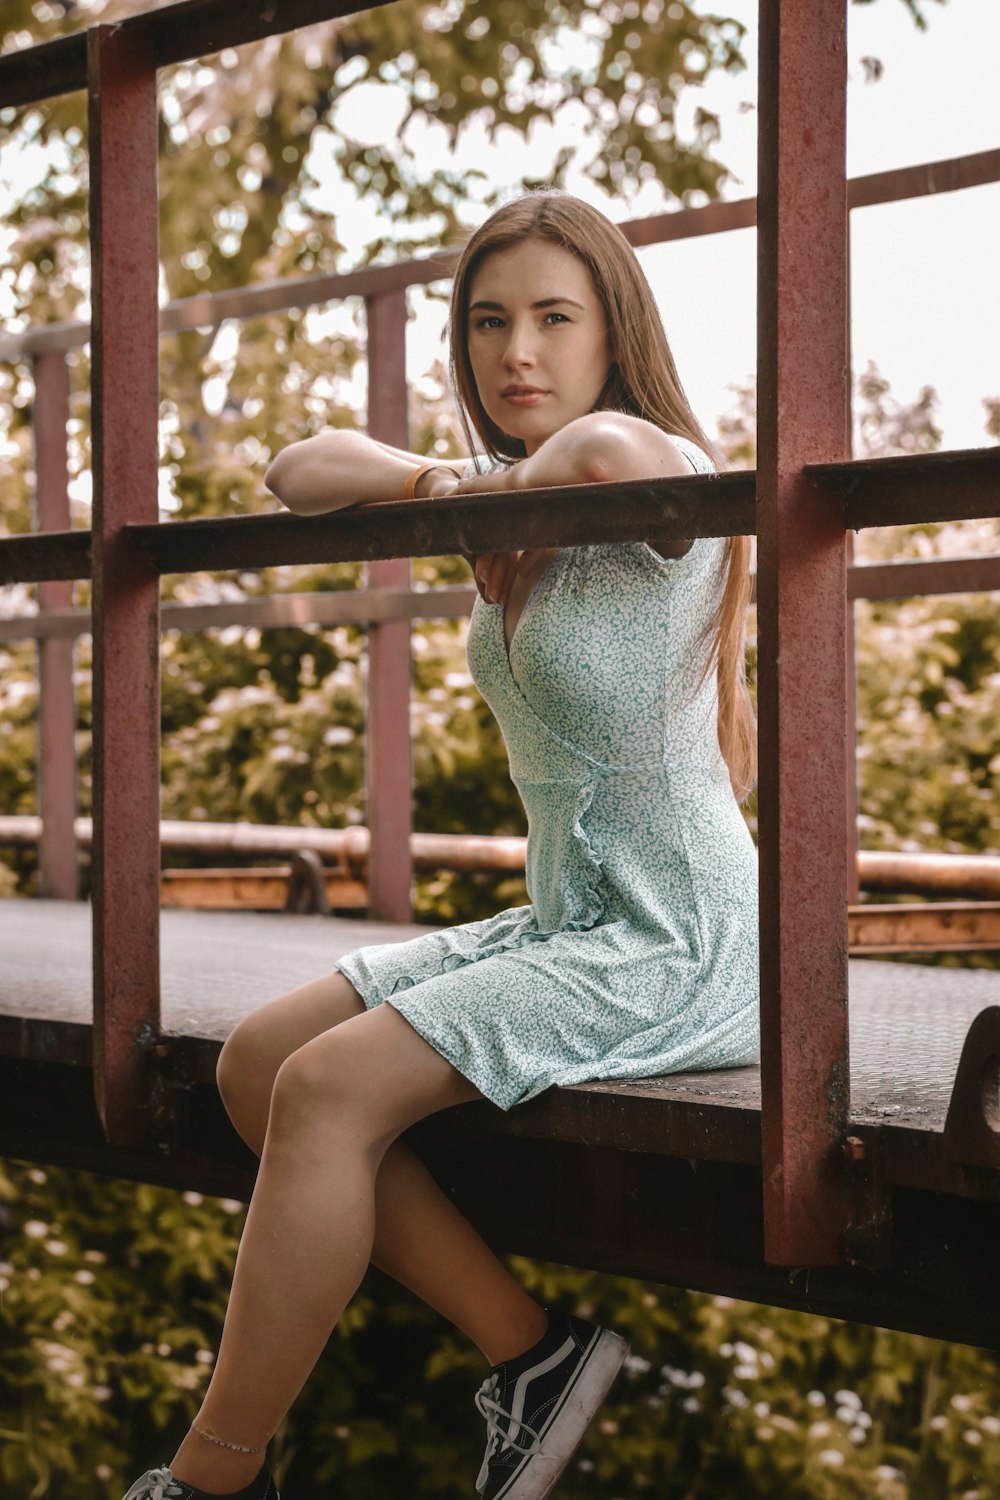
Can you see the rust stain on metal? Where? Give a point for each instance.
(853, 1148)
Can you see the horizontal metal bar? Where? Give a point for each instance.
(563, 516)
(39, 555)
(341, 607)
(347, 846)
(569, 515)
(916, 488)
(208, 309)
(877, 492)
(253, 890)
(932, 575)
(173, 33)
(975, 876)
(892, 580)
(978, 169)
(925, 927)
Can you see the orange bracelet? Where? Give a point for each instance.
(413, 478)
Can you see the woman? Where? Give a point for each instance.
(617, 676)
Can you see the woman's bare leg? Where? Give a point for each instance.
(421, 1239)
(338, 1104)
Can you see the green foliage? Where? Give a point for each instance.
(113, 1296)
(928, 689)
(930, 694)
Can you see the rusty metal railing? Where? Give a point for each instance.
(976, 876)
(802, 502)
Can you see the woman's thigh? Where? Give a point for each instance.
(258, 1045)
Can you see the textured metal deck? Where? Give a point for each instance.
(908, 1021)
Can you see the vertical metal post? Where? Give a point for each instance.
(850, 666)
(126, 616)
(801, 593)
(57, 875)
(390, 799)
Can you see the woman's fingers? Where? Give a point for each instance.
(494, 573)
(481, 570)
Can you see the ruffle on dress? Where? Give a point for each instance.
(565, 877)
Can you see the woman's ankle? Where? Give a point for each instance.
(518, 1341)
(217, 1471)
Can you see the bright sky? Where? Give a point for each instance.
(926, 296)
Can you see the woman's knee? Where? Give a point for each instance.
(245, 1065)
(257, 1047)
(321, 1080)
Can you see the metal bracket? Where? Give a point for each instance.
(868, 1236)
(306, 884)
(972, 1126)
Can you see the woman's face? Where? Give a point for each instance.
(537, 339)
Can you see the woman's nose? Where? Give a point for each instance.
(519, 349)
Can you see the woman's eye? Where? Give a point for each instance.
(491, 318)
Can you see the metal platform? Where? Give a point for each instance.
(658, 1178)
(908, 1021)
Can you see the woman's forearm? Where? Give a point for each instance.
(591, 449)
(569, 456)
(573, 455)
(341, 467)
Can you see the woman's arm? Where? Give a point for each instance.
(341, 467)
(593, 449)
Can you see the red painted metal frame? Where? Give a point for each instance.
(56, 778)
(125, 385)
(389, 658)
(803, 400)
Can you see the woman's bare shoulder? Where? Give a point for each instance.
(641, 450)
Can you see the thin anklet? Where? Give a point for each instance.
(236, 1447)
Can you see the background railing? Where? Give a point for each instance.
(388, 603)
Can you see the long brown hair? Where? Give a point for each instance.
(643, 382)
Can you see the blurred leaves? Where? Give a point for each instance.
(112, 1297)
(928, 684)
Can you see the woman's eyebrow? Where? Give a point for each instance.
(545, 302)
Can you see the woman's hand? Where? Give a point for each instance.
(479, 484)
(495, 572)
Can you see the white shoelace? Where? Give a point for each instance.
(497, 1437)
(157, 1484)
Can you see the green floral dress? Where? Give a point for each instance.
(638, 952)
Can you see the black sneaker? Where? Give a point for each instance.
(538, 1406)
(160, 1484)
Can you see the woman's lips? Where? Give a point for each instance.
(524, 398)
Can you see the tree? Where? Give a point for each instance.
(241, 203)
(113, 1298)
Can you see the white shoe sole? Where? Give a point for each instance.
(568, 1423)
